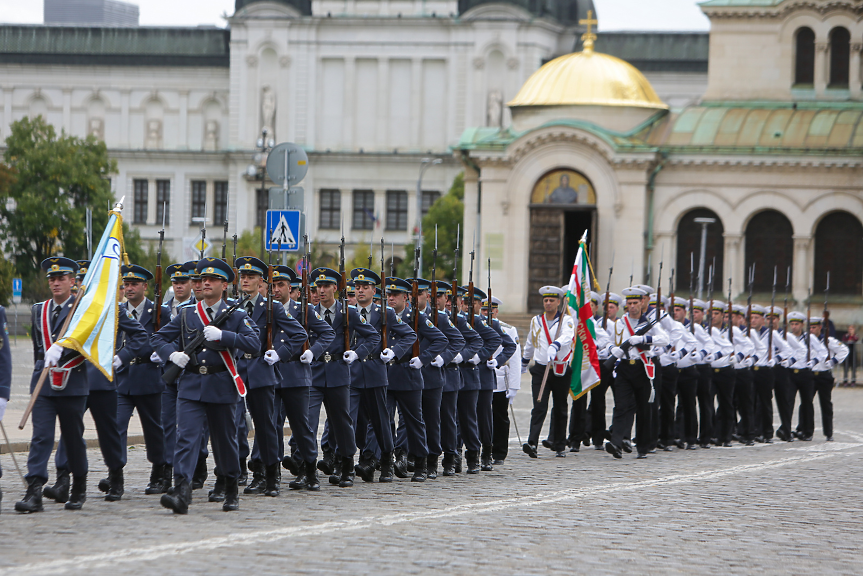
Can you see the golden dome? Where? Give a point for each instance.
(588, 78)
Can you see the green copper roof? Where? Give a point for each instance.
(744, 3)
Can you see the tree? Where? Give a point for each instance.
(43, 206)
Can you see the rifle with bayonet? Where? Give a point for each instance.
(770, 324)
(670, 308)
(415, 305)
(691, 296)
(808, 323)
(225, 249)
(607, 294)
(470, 289)
(236, 284)
(304, 290)
(270, 294)
(658, 287)
(785, 320)
(749, 302)
(343, 293)
(454, 307)
(825, 323)
(730, 311)
(489, 304)
(157, 287)
(433, 291)
(383, 300)
(710, 297)
(204, 231)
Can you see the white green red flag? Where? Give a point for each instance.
(585, 360)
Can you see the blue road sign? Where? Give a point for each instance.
(283, 230)
(17, 286)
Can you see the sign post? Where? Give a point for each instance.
(17, 287)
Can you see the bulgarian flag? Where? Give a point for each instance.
(585, 361)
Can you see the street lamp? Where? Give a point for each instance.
(425, 164)
(257, 169)
(705, 222)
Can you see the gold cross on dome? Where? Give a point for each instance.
(588, 37)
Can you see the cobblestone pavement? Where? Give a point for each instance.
(769, 509)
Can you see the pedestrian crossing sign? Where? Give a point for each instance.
(283, 230)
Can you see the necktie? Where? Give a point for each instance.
(210, 313)
(365, 314)
(55, 314)
(329, 317)
(250, 307)
(134, 314)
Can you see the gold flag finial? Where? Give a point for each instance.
(588, 37)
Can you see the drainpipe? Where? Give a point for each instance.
(651, 187)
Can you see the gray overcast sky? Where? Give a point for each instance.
(613, 14)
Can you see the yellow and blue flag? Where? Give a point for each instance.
(93, 328)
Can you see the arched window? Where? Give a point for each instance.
(769, 243)
(804, 63)
(839, 250)
(840, 54)
(689, 247)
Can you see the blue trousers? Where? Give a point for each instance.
(337, 403)
(46, 411)
(370, 406)
(468, 427)
(261, 404)
(150, 412)
(103, 408)
(485, 419)
(449, 443)
(295, 404)
(221, 420)
(409, 403)
(169, 425)
(432, 417)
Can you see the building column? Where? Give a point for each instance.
(733, 265)
(350, 104)
(854, 73)
(124, 117)
(183, 129)
(821, 68)
(67, 110)
(802, 280)
(471, 194)
(383, 112)
(416, 100)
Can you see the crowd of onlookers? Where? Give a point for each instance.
(850, 365)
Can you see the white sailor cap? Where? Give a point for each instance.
(772, 311)
(739, 309)
(653, 300)
(758, 309)
(816, 320)
(680, 302)
(647, 289)
(720, 306)
(616, 298)
(594, 297)
(633, 292)
(551, 291)
(796, 317)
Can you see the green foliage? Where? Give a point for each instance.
(54, 180)
(361, 259)
(251, 243)
(7, 272)
(144, 253)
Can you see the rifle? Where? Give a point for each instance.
(489, 303)
(631, 271)
(454, 308)
(785, 320)
(204, 230)
(749, 302)
(825, 326)
(236, 284)
(304, 291)
(270, 294)
(157, 287)
(625, 345)
(433, 291)
(710, 296)
(225, 248)
(415, 301)
(343, 293)
(659, 284)
(371, 252)
(671, 293)
(770, 326)
(607, 294)
(172, 371)
(808, 323)
(470, 283)
(691, 303)
(392, 266)
(730, 323)
(383, 300)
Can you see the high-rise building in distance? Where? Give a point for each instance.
(91, 12)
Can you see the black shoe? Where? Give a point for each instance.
(735, 438)
(232, 493)
(472, 460)
(448, 465)
(258, 483)
(485, 463)
(749, 443)
(157, 480)
(458, 462)
(661, 445)
(200, 475)
(32, 501)
(599, 446)
(294, 466)
(116, 488)
(336, 476)
(829, 439)
(805, 438)
(105, 483)
(641, 456)
(726, 444)
(529, 449)
(272, 480)
(410, 463)
(181, 498)
(365, 469)
(59, 492)
(387, 467)
(584, 440)
(312, 475)
(547, 444)
(78, 493)
(768, 440)
(613, 450)
(780, 433)
(420, 474)
(497, 462)
(680, 444)
(302, 479)
(431, 466)
(627, 446)
(576, 447)
(692, 446)
(561, 454)
(217, 494)
(327, 463)
(706, 446)
(347, 479)
(759, 439)
(243, 479)
(401, 465)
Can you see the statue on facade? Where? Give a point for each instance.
(494, 117)
(268, 110)
(154, 134)
(96, 128)
(211, 135)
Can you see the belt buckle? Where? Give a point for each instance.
(202, 370)
(632, 362)
(327, 357)
(247, 356)
(716, 370)
(797, 370)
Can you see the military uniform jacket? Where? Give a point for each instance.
(293, 373)
(502, 352)
(781, 350)
(5, 357)
(239, 334)
(468, 373)
(509, 374)
(170, 304)
(138, 376)
(370, 371)
(401, 375)
(491, 339)
(329, 370)
(288, 338)
(436, 377)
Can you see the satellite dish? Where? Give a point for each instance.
(287, 159)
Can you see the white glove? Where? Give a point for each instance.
(52, 356)
(3, 403)
(416, 363)
(636, 340)
(617, 352)
(474, 360)
(524, 368)
(785, 363)
(350, 356)
(212, 334)
(510, 394)
(154, 358)
(458, 359)
(491, 363)
(771, 363)
(307, 357)
(179, 358)
(552, 353)
(437, 362)
(811, 363)
(387, 355)
(117, 362)
(271, 357)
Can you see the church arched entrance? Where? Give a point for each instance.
(562, 207)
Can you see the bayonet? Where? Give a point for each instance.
(785, 319)
(730, 311)
(691, 297)
(825, 323)
(157, 287)
(383, 299)
(607, 293)
(454, 306)
(749, 302)
(433, 291)
(470, 283)
(343, 292)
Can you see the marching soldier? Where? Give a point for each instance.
(723, 376)
(704, 390)
(597, 407)
(210, 386)
(832, 352)
(5, 371)
(687, 379)
(508, 381)
(764, 371)
(800, 375)
(181, 282)
(681, 345)
(746, 354)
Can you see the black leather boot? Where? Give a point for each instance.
(244, 473)
(347, 479)
(181, 498)
(419, 469)
(217, 494)
(105, 483)
(312, 475)
(272, 480)
(448, 464)
(258, 483)
(59, 492)
(386, 467)
(457, 461)
(116, 487)
(328, 462)
(365, 469)
(472, 459)
(157, 480)
(232, 495)
(401, 465)
(336, 476)
(78, 493)
(167, 476)
(32, 501)
(431, 467)
(200, 475)
(292, 465)
(411, 463)
(485, 463)
(302, 479)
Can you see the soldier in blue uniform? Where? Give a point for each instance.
(474, 420)
(181, 282)
(209, 387)
(140, 386)
(5, 371)
(370, 380)
(260, 374)
(331, 374)
(293, 387)
(488, 376)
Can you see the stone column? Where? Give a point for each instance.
(67, 110)
(854, 73)
(350, 104)
(732, 267)
(416, 100)
(124, 117)
(183, 128)
(821, 68)
(383, 125)
(802, 279)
